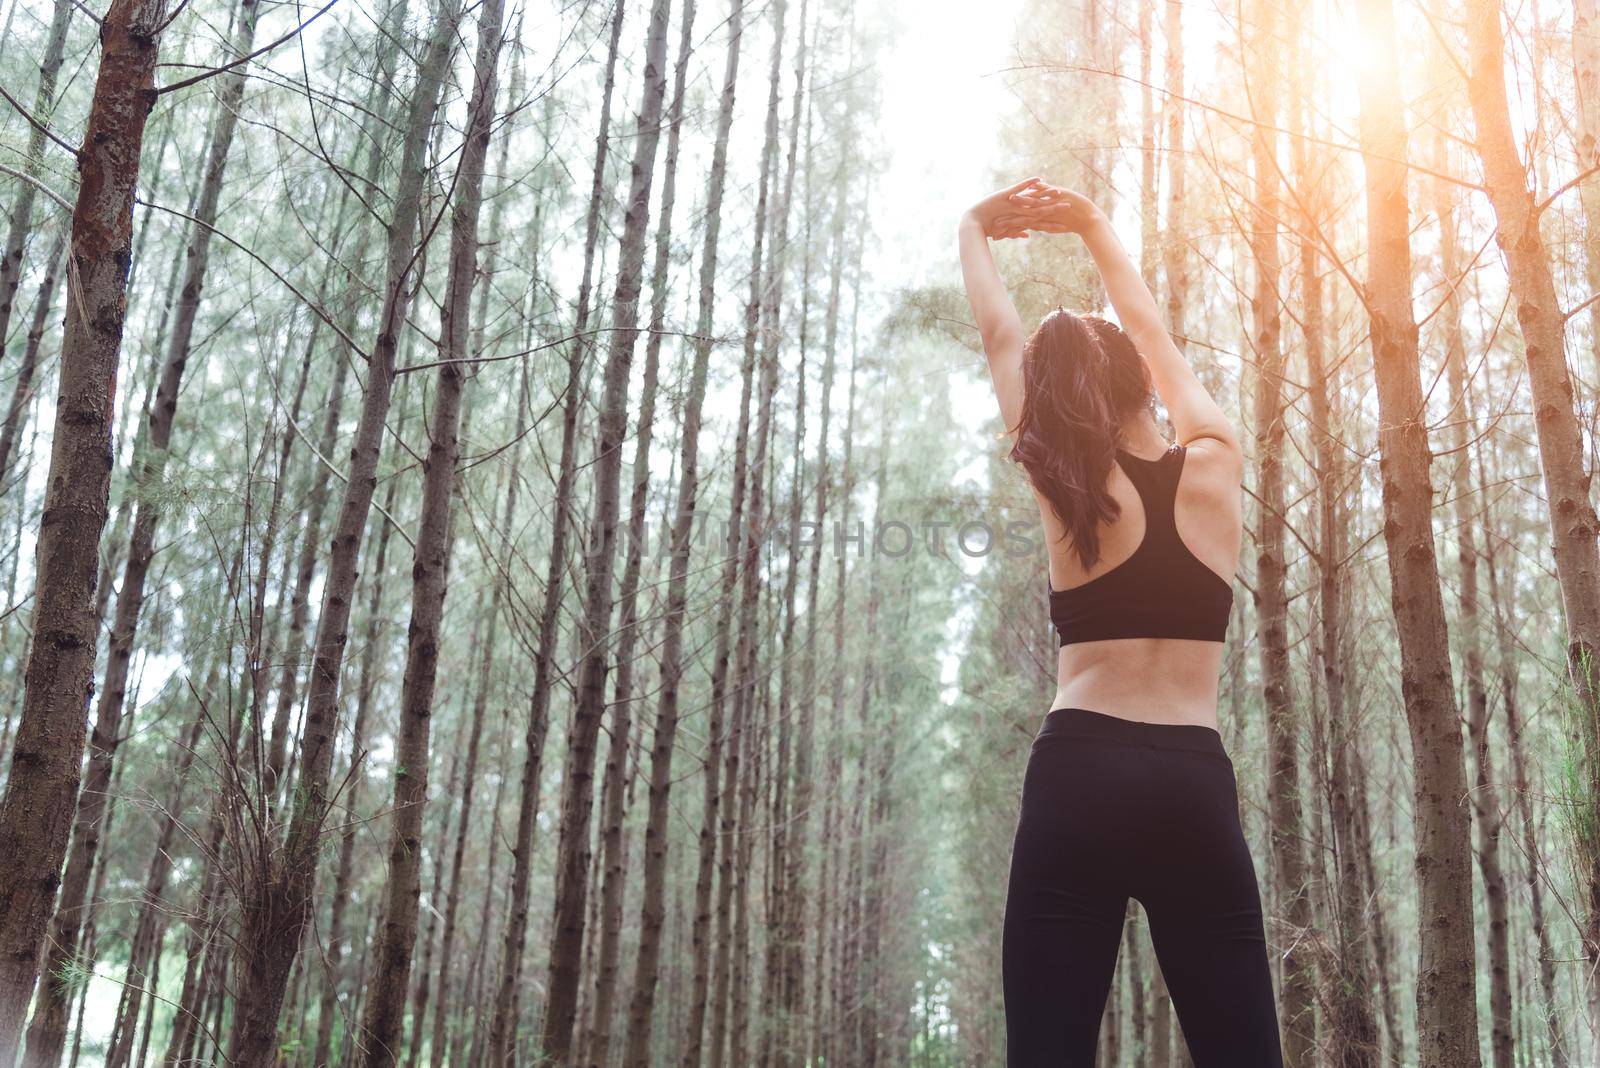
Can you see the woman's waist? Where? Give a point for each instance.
(1160, 679)
(1088, 724)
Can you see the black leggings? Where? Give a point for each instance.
(1111, 809)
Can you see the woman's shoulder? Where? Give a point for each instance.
(1211, 484)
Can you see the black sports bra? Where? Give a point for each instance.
(1163, 590)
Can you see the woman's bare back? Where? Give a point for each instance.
(1164, 680)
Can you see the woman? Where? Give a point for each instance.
(1128, 790)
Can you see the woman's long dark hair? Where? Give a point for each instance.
(1082, 377)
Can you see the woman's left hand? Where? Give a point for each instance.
(998, 212)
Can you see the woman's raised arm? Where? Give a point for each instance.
(1195, 414)
(998, 323)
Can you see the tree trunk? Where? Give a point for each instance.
(371, 649)
(641, 1008)
(91, 936)
(1447, 1011)
(1297, 1008)
(577, 801)
(376, 114)
(42, 788)
(44, 99)
(463, 1049)
(1485, 809)
(422, 988)
(1148, 219)
(22, 389)
(440, 1044)
(258, 651)
(47, 1030)
(715, 789)
(1352, 1030)
(748, 685)
(782, 863)
(1574, 526)
(744, 849)
(1586, 84)
(1377, 925)
(1521, 782)
(822, 1035)
(614, 806)
(1175, 262)
(851, 1008)
(201, 957)
(305, 569)
(145, 945)
(385, 1008)
(793, 985)
(1138, 1022)
(502, 1042)
(276, 744)
(278, 893)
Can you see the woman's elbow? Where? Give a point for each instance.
(1222, 437)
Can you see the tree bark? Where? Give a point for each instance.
(749, 682)
(1550, 1010)
(1485, 810)
(1447, 1011)
(278, 893)
(851, 1008)
(22, 389)
(614, 808)
(47, 1030)
(385, 1008)
(1352, 1029)
(1574, 526)
(822, 1034)
(42, 788)
(1175, 265)
(577, 801)
(715, 787)
(439, 1045)
(793, 981)
(1297, 1009)
(781, 863)
(641, 1008)
(201, 957)
(344, 872)
(1586, 85)
(305, 569)
(469, 1041)
(502, 1042)
(709, 986)
(422, 988)
(276, 743)
(145, 944)
(376, 120)
(44, 98)
(1148, 191)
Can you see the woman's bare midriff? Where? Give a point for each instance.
(1155, 680)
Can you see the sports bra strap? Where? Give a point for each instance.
(1157, 484)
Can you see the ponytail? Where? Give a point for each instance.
(1082, 376)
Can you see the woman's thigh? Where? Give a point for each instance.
(1064, 914)
(1204, 907)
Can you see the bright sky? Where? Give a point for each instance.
(942, 93)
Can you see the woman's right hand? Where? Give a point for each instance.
(1051, 209)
